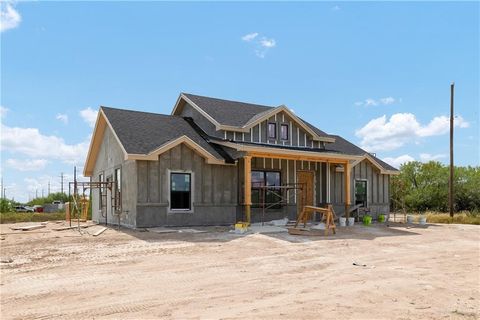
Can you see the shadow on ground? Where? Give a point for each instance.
(224, 234)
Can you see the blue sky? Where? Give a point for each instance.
(376, 73)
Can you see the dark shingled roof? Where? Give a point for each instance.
(226, 112)
(234, 113)
(343, 146)
(143, 132)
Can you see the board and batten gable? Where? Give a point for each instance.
(214, 190)
(297, 136)
(110, 157)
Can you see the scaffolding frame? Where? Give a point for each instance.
(104, 187)
(282, 193)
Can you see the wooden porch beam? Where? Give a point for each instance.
(247, 169)
(346, 174)
(297, 157)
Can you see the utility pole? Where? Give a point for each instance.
(450, 185)
(48, 187)
(2, 189)
(36, 193)
(61, 183)
(42, 193)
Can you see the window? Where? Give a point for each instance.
(100, 191)
(118, 180)
(361, 192)
(284, 132)
(272, 131)
(118, 186)
(180, 191)
(269, 179)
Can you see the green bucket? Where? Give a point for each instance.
(367, 220)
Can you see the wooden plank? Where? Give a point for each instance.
(11, 233)
(28, 228)
(99, 232)
(306, 232)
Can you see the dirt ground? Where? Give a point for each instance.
(428, 272)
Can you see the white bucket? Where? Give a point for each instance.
(343, 221)
(409, 219)
(351, 221)
(423, 220)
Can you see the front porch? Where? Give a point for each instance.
(274, 186)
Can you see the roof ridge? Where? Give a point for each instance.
(228, 100)
(145, 112)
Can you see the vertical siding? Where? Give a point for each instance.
(213, 184)
(199, 173)
(142, 189)
(153, 194)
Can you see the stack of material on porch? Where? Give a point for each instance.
(320, 226)
(278, 223)
(258, 228)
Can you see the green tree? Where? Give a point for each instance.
(424, 186)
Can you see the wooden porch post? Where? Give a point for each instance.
(346, 172)
(247, 186)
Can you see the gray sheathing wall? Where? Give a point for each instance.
(110, 157)
(214, 190)
(377, 188)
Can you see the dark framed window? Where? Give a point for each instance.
(361, 192)
(270, 179)
(180, 191)
(284, 132)
(272, 130)
(100, 191)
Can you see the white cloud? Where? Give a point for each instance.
(89, 116)
(261, 45)
(9, 17)
(425, 157)
(441, 125)
(398, 161)
(62, 117)
(401, 128)
(3, 112)
(264, 45)
(32, 143)
(376, 102)
(387, 100)
(249, 37)
(267, 43)
(27, 164)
